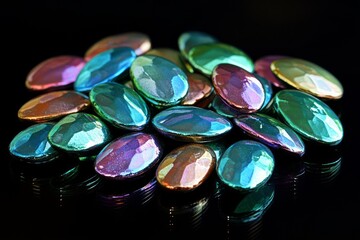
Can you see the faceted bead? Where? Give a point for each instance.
(200, 88)
(169, 54)
(79, 133)
(262, 68)
(191, 124)
(55, 73)
(238, 88)
(186, 168)
(308, 116)
(308, 77)
(159, 81)
(206, 57)
(188, 40)
(271, 132)
(53, 105)
(245, 165)
(119, 105)
(267, 90)
(128, 157)
(137, 41)
(219, 106)
(32, 146)
(104, 67)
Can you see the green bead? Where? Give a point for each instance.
(188, 40)
(206, 57)
(246, 165)
(309, 116)
(79, 133)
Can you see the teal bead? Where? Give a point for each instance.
(271, 132)
(191, 124)
(32, 146)
(268, 90)
(309, 116)
(246, 165)
(223, 109)
(120, 106)
(79, 133)
(104, 67)
(161, 82)
(206, 57)
(188, 40)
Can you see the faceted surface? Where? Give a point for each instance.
(120, 106)
(223, 109)
(191, 124)
(267, 90)
(169, 54)
(238, 88)
(53, 105)
(271, 132)
(137, 41)
(104, 67)
(186, 168)
(262, 67)
(200, 88)
(188, 40)
(79, 133)
(308, 77)
(32, 145)
(309, 116)
(246, 165)
(128, 156)
(159, 81)
(206, 57)
(54, 73)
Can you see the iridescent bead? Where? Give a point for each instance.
(53, 105)
(262, 68)
(271, 132)
(246, 165)
(200, 88)
(169, 54)
(120, 106)
(308, 116)
(191, 124)
(137, 41)
(206, 57)
(55, 73)
(239, 88)
(159, 81)
(128, 157)
(32, 146)
(79, 133)
(188, 40)
(107, 66)
(186, 168)
(308, 77)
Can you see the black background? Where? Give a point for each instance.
(323, 32)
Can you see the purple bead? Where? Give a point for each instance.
(238, 88)
(128, 157)
(262, 68)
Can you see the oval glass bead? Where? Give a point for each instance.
(188, 40)
(308, 77)
(267, 90)
(219, 106)
(79, 133)
(191, 124)
(53, 105)
(186, 168)
(308, 116)
(32, 146)
(128, 157)
(159, 80)
(206, 57)
(105, 67)
(238, 88)
(119, 105)
(246, 165)
(55, 73)
(200, 88)
(271, 132)
(169, 54)
(263, 69)
(137, 41)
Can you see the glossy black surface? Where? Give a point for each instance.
(315, 197)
